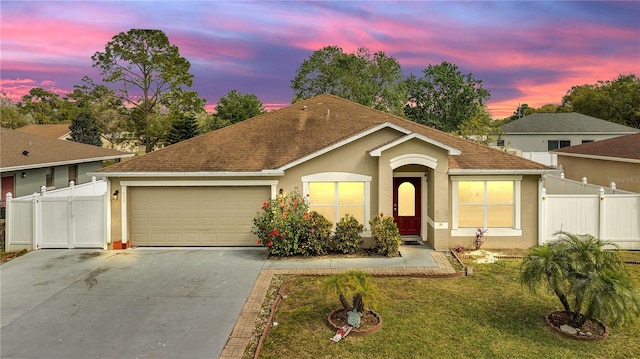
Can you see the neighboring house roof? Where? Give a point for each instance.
(623, 148)
(573, 122)
(55, 131)
(20, 151)
(277, 140)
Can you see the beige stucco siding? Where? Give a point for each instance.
(626, 175)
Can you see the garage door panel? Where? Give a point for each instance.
(194, 216)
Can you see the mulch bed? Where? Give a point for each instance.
(589, 331)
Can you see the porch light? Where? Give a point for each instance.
(24, 174)
(115, 194)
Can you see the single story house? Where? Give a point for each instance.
(343, 157)
(533, 136)
(29, 161)
(614, 160)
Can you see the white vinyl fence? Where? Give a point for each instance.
(580, 208)
(71, 217)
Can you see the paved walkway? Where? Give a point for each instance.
(414, 261)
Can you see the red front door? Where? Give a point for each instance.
(7, 186)
(406, 204)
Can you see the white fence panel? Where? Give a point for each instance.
(88, 215)
(54, 223)
(621, 220)
(93, 188)
(570, 213)
(20, 223)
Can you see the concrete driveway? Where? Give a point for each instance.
(137, 303)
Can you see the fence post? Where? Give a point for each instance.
(542, 216)
(37, 225)
(7, 222)
(601, 219)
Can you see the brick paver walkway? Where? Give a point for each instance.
(243, 330)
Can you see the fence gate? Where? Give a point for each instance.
(58, 220)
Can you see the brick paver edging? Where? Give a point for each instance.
(243, 330)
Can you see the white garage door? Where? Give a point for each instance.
(194, 216)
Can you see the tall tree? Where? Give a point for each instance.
(480, 128)
(444, 98)
(152, 76)
(373, 80)
(43, 106)
(616, 101)
(236, 107)
(84, 129)
(182, 129)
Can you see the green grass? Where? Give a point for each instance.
(488, 315)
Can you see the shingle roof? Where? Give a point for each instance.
(272, 140)
(20, 150)
(566, 123)
(619, 147)
(54, 131)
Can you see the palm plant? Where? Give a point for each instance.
(356, 285)
(590, 280)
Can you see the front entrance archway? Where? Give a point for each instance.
(407, 197)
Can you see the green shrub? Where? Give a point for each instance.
(316, 240)
(283, 224)
(347, 238)
(386, 235)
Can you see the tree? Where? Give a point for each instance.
(480, 128)
(183, 128)
(10, 115)
(590, 281)
(616, 101)
(373, 80)
(444, 98)
(152, 77)
(42, 106)
(236, 107)
(84, 129)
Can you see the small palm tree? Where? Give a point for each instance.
(589, 280)
(357, 285)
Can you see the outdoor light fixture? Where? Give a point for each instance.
(115, 195)
(24, 174)
(281, 191)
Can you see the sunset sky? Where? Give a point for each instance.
(524, 52)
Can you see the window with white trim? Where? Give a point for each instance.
(487, 203)
(335, 194)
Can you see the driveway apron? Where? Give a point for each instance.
(140, 303)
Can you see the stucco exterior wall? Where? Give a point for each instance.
(626, 175)
(539, 142)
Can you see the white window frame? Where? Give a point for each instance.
(337, 177)
(515, 231)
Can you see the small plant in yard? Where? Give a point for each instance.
(353, 288)
(386, 235)
(347, 237)
(591, 282)
(316, 240)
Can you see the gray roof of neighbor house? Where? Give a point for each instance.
(57, 130)
(622, 147)
(20, 151)
(277, 139)
(573, 122)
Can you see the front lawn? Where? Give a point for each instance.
(487, 315)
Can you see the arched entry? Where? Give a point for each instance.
(407, 204)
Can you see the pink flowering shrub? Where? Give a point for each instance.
(286, 227)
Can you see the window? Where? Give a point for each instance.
(334, 194)
(486, 203)
(500, 143)
(587, 141)
(49, 179)
(555, 144)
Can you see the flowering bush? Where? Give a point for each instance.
(287, 228)
(386, 234)
(347, 237)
